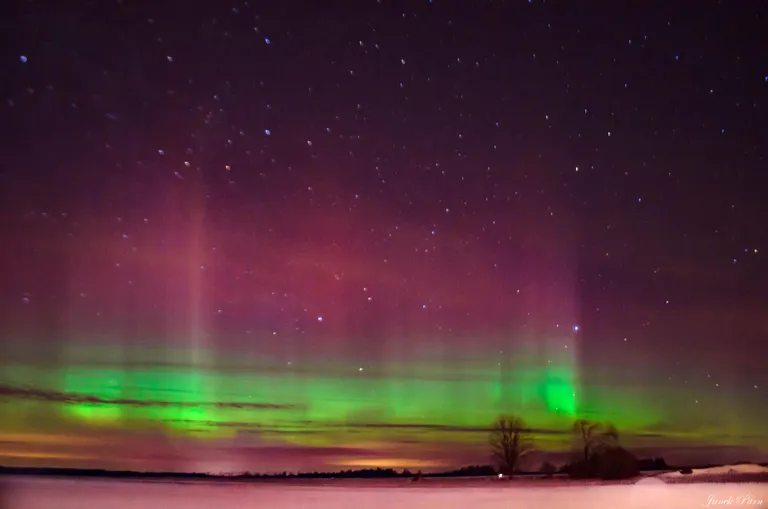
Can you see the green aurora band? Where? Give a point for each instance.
(325, 403)
(453, 392)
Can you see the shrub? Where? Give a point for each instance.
(616, 463)
(548, 469)
(612, 463)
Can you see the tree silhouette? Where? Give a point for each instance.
(509, 443)
(594, 437)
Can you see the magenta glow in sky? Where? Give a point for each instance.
(338, 238)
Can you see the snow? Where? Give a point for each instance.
(727, 470)
(45, 493)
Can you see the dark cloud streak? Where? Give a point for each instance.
(72, 398)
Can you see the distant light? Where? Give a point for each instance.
(267, 41)
(161, 152)
(267, 132)
(319, 318)
(23, 59)
(502, 475)
(576, 328)
(170, 58)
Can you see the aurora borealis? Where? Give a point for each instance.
(284, 237)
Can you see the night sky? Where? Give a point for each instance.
(291, 236)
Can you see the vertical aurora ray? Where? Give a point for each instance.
(196, 325)
(542, 361)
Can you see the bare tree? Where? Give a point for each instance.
(594, 437)
(509, 442)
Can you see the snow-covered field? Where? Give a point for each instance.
(45, 493)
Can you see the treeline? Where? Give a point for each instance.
(368, 473)
(96, 472)
(371, 473)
